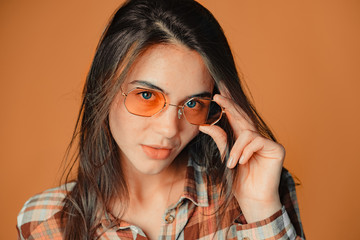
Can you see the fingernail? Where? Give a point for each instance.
(229, 163)
(241, 159)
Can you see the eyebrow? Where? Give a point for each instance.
(201, 95)
(147, 84)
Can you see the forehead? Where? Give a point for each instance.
(173, 68)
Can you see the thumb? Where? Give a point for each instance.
(218, 134)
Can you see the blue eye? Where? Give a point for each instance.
(146, 95)
(191, 104)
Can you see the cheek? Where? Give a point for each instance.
(125, 128)
(189, 134)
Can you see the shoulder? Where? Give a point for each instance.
(41, 208)
(287, 190)
(289, 199)
(287, 183)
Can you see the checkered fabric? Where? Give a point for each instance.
(194, 216)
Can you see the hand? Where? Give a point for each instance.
(260, 162)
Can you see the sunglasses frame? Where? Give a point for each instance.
(180, 107)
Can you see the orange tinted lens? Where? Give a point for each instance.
(202, 111)
(144, 102)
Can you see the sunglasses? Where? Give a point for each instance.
(148, 102)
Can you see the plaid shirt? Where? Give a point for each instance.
(194, 216)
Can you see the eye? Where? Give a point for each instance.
(191, 103)
(146, 95)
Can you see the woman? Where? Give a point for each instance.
(169, 145)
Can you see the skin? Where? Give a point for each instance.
(260, 162)
(174, 68)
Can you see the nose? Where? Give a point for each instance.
(168, 120)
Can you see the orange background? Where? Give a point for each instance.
(300, 59)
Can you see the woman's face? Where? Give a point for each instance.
(150, 144)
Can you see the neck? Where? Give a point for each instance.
(156, 192)
(143, 186)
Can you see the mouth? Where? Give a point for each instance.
(156, 152)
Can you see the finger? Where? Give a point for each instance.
(237, 116)
(225, 93)
(254, 146)
(219, 136)
(243, 140)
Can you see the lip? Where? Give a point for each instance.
(156, 152)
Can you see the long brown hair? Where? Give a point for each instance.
(137, 25)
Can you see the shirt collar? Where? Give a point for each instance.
(196, 185)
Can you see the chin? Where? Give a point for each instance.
(153, 168)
